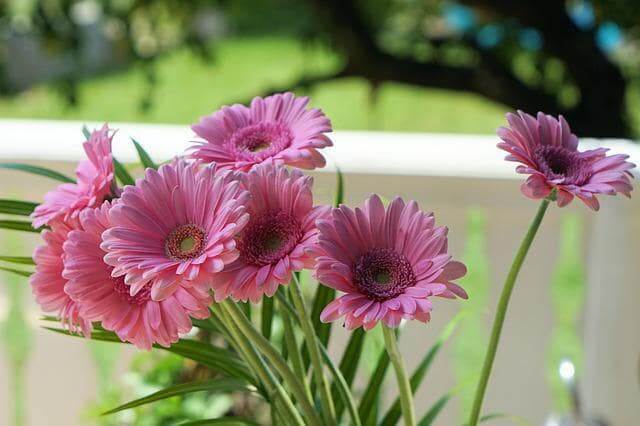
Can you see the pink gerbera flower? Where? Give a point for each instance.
(388, 262)
(278, 127)
(95, 183)
(137, 319)
(549, 153)
(48, 284)
(175, 227)
(277, 239)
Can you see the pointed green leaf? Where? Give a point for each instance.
(86, 132)
(18, 225)
(394, 413)
(372, 392)
(145, 159)
(15, 207)
(435, 409)
(222, 385)
(339, 188)
(37, 171)
(222, 421)
(21, 260)
(349, 363)
(267, 316)
(122, 174)
(16, 271)
(216, 358)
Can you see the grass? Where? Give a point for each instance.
(188, 88)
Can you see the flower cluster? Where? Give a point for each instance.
(229, 219)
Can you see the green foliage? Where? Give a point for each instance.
(15, 334)
(470, 341)
(41, 171)
(18, 225)
(14, 207)
(122, 174)
(145, 159)
(567, 297)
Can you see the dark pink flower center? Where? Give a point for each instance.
(142, 297)
(382, 274)
(185, 242)
(268, 237)
(260, 141)
(557, 162)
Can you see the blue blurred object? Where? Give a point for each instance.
(458, 17)
(530, 39)
(609, 36)
(490, 35)
(581, 13)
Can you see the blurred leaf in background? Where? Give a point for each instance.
(470, 340)
(567, 296)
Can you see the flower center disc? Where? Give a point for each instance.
(259, 141)
(382, 274)
(185, 242)
(557, 162)
(268, 237)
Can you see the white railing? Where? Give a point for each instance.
(447, 174)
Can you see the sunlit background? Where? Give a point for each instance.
(427, 66)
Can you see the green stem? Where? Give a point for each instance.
(501, 312)
(294, 351)
(263, 371)
(328, 410)
(274, 357)
(406, 396)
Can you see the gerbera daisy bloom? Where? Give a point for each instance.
(95, 183)
(388, 262)
(175, 227)
(137, 319)
(278, 127)
(48, 284)
(549, 153)
(277, 239)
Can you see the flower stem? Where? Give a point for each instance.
(328, 409)
(406, 395)
(271, 353)
(502, 311)
(256, 362)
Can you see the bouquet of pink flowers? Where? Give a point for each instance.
(195, 242)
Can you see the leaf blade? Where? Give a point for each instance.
(20, 260)
(18, 225)
(221, 385)
(36, 170)
(16, 271)
(122, 174)
(145, 159)
(17, 207)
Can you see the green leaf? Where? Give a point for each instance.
(435, 409)
(18, 225)
(21, 260)
(339, 188)
(267, 316)
(86, 132)
(222, 385)
(216, 358)
(145, 159)
(372, 392)
(122, 174)
(16, 271)
(349, 363)
(205, 324)
(15, 207)
(224, 421)
(394, 413)
(37, 171)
